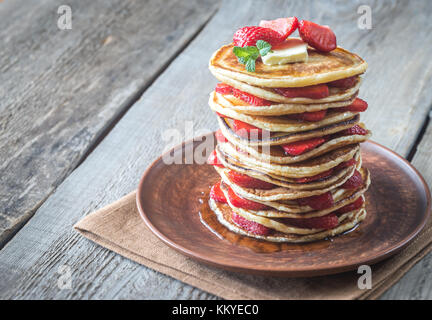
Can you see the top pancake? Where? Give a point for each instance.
(321, 67)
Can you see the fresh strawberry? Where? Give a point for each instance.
(213, 160)
(245, 130)
(223, 88)
(351, 207)
(344, 83)
(299, 147)
(345, 164)
(319, 202)
(243, 203)
(318, 91)
(354, 182)
(318, 176)
(248, 36)
(250, 99)
(308, 116)
(354, 130)
(220, 137)
(250, 226)
(283, 26)
(358, 105)
(328, 221)
(216, 193)
(243, 180)
(320, 37)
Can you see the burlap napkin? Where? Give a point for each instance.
(120, 228)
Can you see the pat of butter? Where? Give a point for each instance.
(293, 50)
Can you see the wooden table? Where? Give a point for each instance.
(82, 112)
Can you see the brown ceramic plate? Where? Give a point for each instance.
(170, 197)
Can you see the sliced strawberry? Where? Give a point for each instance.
(243, 180)
(283, 26)
(354, 182)
(251, 226)
(246, 130)
(243, 203)
(248, 36)
(318, 91)
(351, 207)
(344, 83)
(320, 37)
(250, 99)
(221, 115)
(299, 147)
(220, 137)
(309, 116)
(216, 193)
(319, 202)
(325, 222)
(354, 130)
(345, 164)
(213, 160)
(223, 88)
(319, 176)
(288, 43)
(358, 105)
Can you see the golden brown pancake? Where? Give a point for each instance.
(320, 68)
(278, 138)
(347, 222)
(302, 169)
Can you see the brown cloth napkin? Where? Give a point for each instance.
(120, 228)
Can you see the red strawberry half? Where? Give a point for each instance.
(220, 137)
(248, 98)
(351, 207)
(320, 37)
(354, 130)
(354, 182)
(248, 36)
(358, 105)
(319, 202)
(245, 181)
(223, 88)
(325, 222)
(213, 160)
(250, 226)
(344, 83)
(246, 130)
(300, 147)
(309, 116)
(216, 193)
(318, 91)
(283, 26)
(345, 164)
(243, 203)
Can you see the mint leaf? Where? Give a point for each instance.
(250, 65)
(248, 55)
(263, 47)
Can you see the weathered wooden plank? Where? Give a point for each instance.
(417, 283)
(60, 89)
(29, 263)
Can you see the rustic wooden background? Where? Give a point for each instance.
(82, 111)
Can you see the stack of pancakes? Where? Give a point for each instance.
(295, 183)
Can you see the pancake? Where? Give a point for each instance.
(335, 94)
(278, 138)
(223, 213)
(320, 68)
(276, 154)
(278, 123)
(302, 169)
(291, 209)
(231, 102)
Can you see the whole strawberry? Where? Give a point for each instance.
(248, 36)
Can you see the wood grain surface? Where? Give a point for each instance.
(395, 87)
(62, 89)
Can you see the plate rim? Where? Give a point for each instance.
(286, 272)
